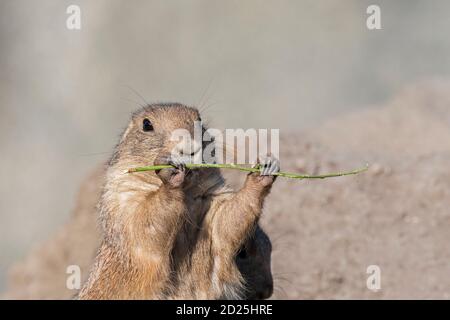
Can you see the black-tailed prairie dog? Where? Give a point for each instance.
(176, 233)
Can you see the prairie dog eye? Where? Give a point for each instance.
(147, 125)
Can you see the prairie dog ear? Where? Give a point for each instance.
(126, 132)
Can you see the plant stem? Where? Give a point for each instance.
(255, 169)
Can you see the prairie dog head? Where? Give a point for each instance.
(254, 263)
(155, 134)
(157, 130)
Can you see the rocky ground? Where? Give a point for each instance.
(325, 233)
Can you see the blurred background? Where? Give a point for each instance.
(65, 95)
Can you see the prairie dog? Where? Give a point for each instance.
(175, 233)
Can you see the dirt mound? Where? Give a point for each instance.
(325, 233)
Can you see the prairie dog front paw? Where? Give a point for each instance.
(268, 166)
(173, 177)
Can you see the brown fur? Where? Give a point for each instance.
(173, 234)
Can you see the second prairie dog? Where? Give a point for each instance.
(176, 233)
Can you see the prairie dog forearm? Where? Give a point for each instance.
(238, 215)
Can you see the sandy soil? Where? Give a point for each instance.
(325, 233)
